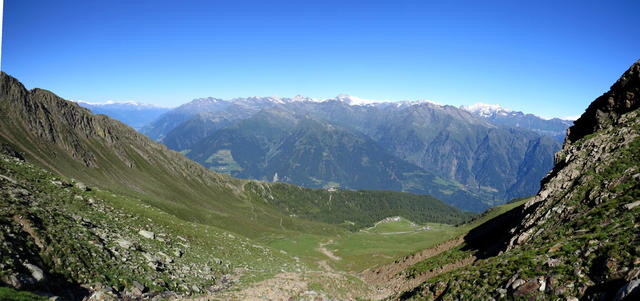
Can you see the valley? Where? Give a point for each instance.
(96, 236)
(319, 150)
(91, 209)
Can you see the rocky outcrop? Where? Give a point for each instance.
(623, 97)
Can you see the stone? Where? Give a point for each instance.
(555, 248)
(632, 205)
(571, 298)
(138, 288)
(81, 186)
(542, 283)
(631, 288)
(167, 258)
(36, 272)
(19, 281)
(8, 179)
(106, 294)
(527, 288)
(147, 234)
(516, 283)
(124, 243)
(149, 257)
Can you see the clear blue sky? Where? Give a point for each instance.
(551, 58)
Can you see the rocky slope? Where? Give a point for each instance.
(61, 237)
(578, 238)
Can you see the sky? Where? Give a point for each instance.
(550, 58)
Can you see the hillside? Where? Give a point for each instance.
(578, 238)
(69, 240)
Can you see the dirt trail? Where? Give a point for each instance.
(381, 282)
(296, 286)
(387, 280)
(326, 252)
(280, 287)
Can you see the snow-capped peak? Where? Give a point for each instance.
(486, 110)
(408, 103)
(300, 98)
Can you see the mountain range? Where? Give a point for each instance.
(467, 160)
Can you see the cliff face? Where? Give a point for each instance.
(579, 236)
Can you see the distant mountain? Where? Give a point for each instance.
(135, 115)
(207, 110)
(555, 128)
(497, 161)
(278, 144)
(493, 156)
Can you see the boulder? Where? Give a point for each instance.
(138, 288)
(629, 291)
(36, 272)
(124, 243)
(632, 205)
(81, 186)
(529, 287)
(516, 283)
(147, 234)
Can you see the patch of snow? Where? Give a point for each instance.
(486, 110)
